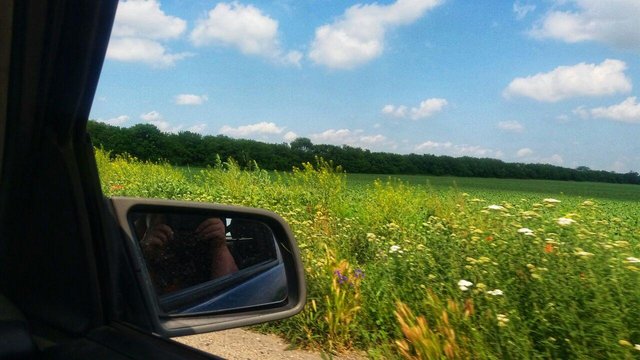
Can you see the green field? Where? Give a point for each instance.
(587, 190)
(428, 267)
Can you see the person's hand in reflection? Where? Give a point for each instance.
(170, 255)
(213, 230)
(156, 237)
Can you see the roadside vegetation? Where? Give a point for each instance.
(146, 142)
(420, 271)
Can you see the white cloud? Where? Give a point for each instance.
(521, 10)
(426, 108)
(432, 145)
(451, 149)
(136, 18)
(151, 116)
(524, 152)
(261, 128)
(116, 121)
(142, 50)
(581, 111)
(358, 35)
(395, 111)
(139, 27)
(626, 111)
(244, 27)
(290, 136)
(612, 22)
(156, 119)
(554, 159)
(198, 128)
(511, 126)
(564, 82)
(355, 138)
(190, 99)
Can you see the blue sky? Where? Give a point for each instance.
(525, 81)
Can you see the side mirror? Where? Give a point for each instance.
(203, 267)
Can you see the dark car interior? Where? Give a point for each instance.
(73, 281)
(58, 295)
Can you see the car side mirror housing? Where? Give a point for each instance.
(205, 267)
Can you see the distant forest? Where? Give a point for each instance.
(146, 142)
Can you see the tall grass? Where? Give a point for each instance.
(408, 271)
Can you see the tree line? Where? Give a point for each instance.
(147, 142)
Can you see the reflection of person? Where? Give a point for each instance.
(179, 256)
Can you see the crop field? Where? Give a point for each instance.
(441, 268)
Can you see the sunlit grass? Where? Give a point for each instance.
(430, 270)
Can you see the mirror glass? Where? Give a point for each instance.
(201, 262)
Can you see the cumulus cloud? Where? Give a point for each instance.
(612, 22)
(156, 119)
(198, 128)
(141, 50)
(138, 31)
(522, 10)
(245, 28)
(190, 99)
(290, 136)
(395, 111)
(135, 18)
(261, 128)
(626, 111)
(451, 149)
(563, 82)
(358, 35)
(355, 138)
(554, 159)
(524, 152)
(511, 126)
(425, 109)
(116, 121)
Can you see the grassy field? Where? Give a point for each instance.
(546, 188)
(586, 190)
(418, 267)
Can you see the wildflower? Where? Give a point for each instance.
(371, 236)
(565, 221)
(526, 231)
(625, 343)
(464, 285)
(632, 260)
(358, 273)
(502, 320)
(496, 292)
(496, 207)
(394, 248)
(548, 248)
(489, 238)
(550, 201)
(530, 214)
(341, 277)
(584, 253)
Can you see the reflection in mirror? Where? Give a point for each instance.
(199, 262)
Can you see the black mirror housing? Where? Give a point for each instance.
(264, 283)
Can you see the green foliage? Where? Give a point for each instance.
(404, 270)
(146, 142)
